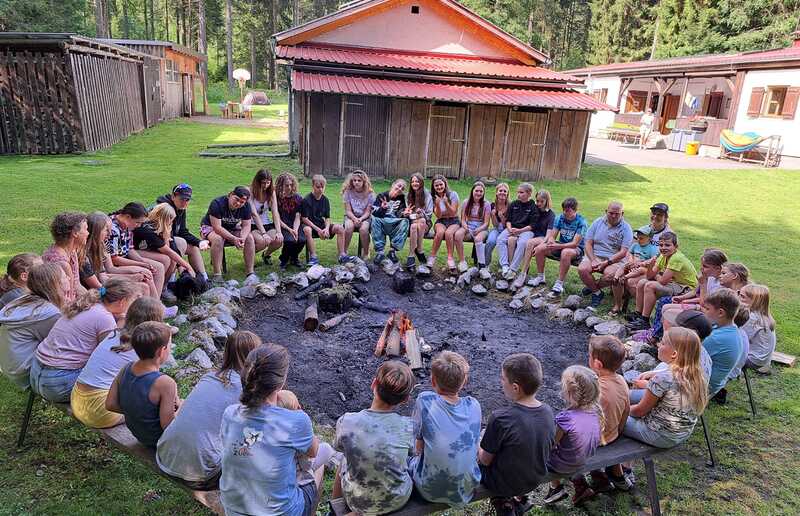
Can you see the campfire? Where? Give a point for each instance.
(398, 334)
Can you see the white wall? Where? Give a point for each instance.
(603, 119)
(789, 130)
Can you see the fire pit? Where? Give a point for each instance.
(334, 360)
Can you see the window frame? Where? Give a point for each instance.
(768, 99)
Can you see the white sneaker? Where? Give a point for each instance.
(536, 281)
(462, 266)
(504, 270)
(431, 261)
(558, 288)
(510, 274)
(485, 273)
(520, 281)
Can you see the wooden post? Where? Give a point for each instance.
(683, 97)
(333, 321)
(649, 95)
(311, 319)
(736, 96)
(412, 349)
(624, 85)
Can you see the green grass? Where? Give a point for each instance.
(753, 214)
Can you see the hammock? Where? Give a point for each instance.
(734, 142)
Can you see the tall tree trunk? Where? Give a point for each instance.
(229, 40)
(126, 30)
(253, 75)
(166, 20)
(101, 18)
(189, 25)
(146, 20)
(273, 24)
(295, 13)
(202, 47)
(530, 27)
(655, 39)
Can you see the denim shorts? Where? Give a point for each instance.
(310, 497)
(637, 429)
(449, 221)
(54, 385)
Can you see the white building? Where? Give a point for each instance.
(746, 92)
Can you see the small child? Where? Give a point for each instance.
(444, 473)
(376, 442)
(316, 218)
(642, 250)
(515, 446)
(577, 431)
(760, 328)
(742, 317)
(13, 283)
(723, 344)
(147, 398)
(606, 354)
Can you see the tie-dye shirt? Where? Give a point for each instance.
(258, 459)
(376, 447)
(447, 471)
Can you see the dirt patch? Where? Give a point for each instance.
(331, 371)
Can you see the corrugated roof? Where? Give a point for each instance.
(354, 85)
(385, 58)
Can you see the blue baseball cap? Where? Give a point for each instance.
(182, 190)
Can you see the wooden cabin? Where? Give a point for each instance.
(182, 84)
(395, 87)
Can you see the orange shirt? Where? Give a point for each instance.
(616, 404)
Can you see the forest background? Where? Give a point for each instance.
(574, 33)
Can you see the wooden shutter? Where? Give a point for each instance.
(790, 103)
(756, 101)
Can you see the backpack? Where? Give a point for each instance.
(186, 286)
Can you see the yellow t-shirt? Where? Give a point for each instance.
(683, 272)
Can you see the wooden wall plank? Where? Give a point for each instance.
(551, 149)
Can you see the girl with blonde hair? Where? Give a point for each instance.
(760, 328)
(499, 215)
(578, 430)
(445, 206)
(357, 196)
(675, 397)
(153, 240)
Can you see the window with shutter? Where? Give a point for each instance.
(790, 103)
(756, 100)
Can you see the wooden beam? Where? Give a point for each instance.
(624, 85)
(683, 97)
(736, 97)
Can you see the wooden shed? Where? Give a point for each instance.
(182, 84)
(395, 87)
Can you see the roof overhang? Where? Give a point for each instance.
(72, 42)
(180, 49)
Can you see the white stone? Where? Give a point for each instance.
(423, 270)
(426, 348)
(428, 286)
(644, 362)
(389, 267)
(450, 280)
(252, 280)
(200, 357)
(249, 292)
(300, 279)
(479, 289)
(315, 272)
(626, 366)
(464, 280)
(537, 304)
(563, 314)
(231, 284)
(267, 289)
(516, 304)
(343, 276)
(485, 273)
(362, 273)
(592, 320)
(214, 328)
(573, 301)
(217, 295)
(501, 285)
(180, 320)
(523, 293)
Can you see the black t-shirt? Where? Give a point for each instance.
(544, 221)
(219, 208)
(521, 214)
(520, 439)
(316, 210)
(145, 238)
(394, 210)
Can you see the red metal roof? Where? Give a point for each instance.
(384, 58)
(352, 85)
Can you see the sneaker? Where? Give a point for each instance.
(393, 256)
(510, 274)
(430, 262)
(721, 397)
(379, 259)
(168, 298)
(630, 478)
(522, 504)
(421, 257)
(217, 280)
(314, 260)
(451, 264)
(519, 281)
(345, 258)
(642, 323)
(555, 494)
(411, 262)
(504, 270)
(463, 266)
(170, 312)
(558, 288)
(632, 316)
(597, 299)
(622, 483)
(581, 495)
(537, 280)
(585, 291)
(485, 273)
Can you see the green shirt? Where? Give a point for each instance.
(683, 272)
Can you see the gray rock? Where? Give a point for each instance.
(626, 366)
(231, 284)
(249, 291)
(186, 372)
(537, 304)
(181, 319)
(362, 273)
(551, 308)
(273, 278)
(631, 374)
(315, 272)
(202, 339)
(227, 320)
(516, 304)
(423, 270)
(633, 348)
(428, 286)
(217, 295)
(523, 293)
(200, 357)
(464, 279)
(267, 289)
(170, 362)
(389, 267)
(252, 280)
(300, 279)
(220, 308)
(562, 314)
(501, 285)
(479, 290)
(485, 273)
(592, 321)
(610, 328)
(644, 362)
(342, 275)
(580, 315)
(198, 312)
(215, 329)
(426, 348)
(573, 302)
(450, 280)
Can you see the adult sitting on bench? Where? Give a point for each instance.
(184, 240)
(227, 222)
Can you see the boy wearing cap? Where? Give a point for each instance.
(640, 252)
(227, 222)
(184, 240)
(659, 221)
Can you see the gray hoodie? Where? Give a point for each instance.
(22, 327)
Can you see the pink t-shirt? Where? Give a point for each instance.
(53, 255)
(71, 341)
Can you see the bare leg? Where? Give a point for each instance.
(249, 252)
(541, 253)
(449, 236)
(217, 248)
(364, 231)
(458, 241)
(349, 228)
(640, 294)
(312, 246)
(438, 236)
(585, 272)
(512, 248)
(650, 297)
(567, 255)
(339, 231)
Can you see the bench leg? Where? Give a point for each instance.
(224, 262)
(26, 419)
(711, 461)
(749, 392)
(652, 488)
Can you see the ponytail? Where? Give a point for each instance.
(264, 373)
(134, 210)
(113, 291)
(17, 266)
(142, 310)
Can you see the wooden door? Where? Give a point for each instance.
(152, 90)
(670, 112)
(187, 94)
(445, 140)
(525, 142)
(365, 126)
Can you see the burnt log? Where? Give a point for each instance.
(332, 322)
(336, 300)
(324, 282)
(311, 319)
(402, 282)
(413, 350)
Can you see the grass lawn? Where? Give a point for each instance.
(65, 469)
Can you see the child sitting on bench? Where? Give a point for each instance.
(376, 443)
(760, 328)
(146, 397)
(13, 284)
(577, 432)
(516, 444)
(316, 216)
(443, 473)
(723, 345)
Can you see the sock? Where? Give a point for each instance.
(558, 282)
(540, 275)
(596, 292)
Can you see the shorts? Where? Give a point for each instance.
(310, 498)
(556, 255)
(473, 225)
(267, 227)
(89, 407)
(207, 230)
(672, 289)
(448, 221)
(314, 233)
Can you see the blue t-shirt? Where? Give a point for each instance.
(724, 347)
(568, 228)
(258, 459)
(447, 471)
(607, 240)
(644, 252)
